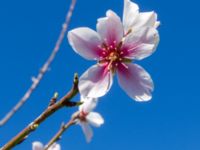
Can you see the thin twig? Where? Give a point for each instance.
(45, 67)
(57, 136)
(47, 113)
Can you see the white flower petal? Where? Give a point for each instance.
(95, 119)
(145, 19)
(152, 37)
(146, 35)
(95, 82)
(87, 130)
(130, 14)
(110, 28)
(85, 42)
(135, 81)
(157, 24)
(55, 146)
(85, 99)
(141, 51)
(134, 20)
(135, 38)
(88, 104)
(37, 145)
(141, 44)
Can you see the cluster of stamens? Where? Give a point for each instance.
(111, 54)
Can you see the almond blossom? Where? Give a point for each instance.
(87, 117)
(114, 46)
(39, 146)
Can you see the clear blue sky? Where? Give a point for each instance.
(28, 31)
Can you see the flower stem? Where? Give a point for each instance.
(57, 136)
(47, 113)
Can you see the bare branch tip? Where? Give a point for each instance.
(56, 95)
(76, 78)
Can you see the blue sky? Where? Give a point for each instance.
(170, 121)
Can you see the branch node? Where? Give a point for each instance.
(53, 99)
(73, 104)
(34, 126)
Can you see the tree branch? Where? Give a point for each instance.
(47, 113)
(57, 136)
(45, 67)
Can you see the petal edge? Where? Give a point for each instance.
(135, 81)
(85, 42)
(95, 82)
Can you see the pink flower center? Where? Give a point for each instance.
(82, 116)
(112, 55)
